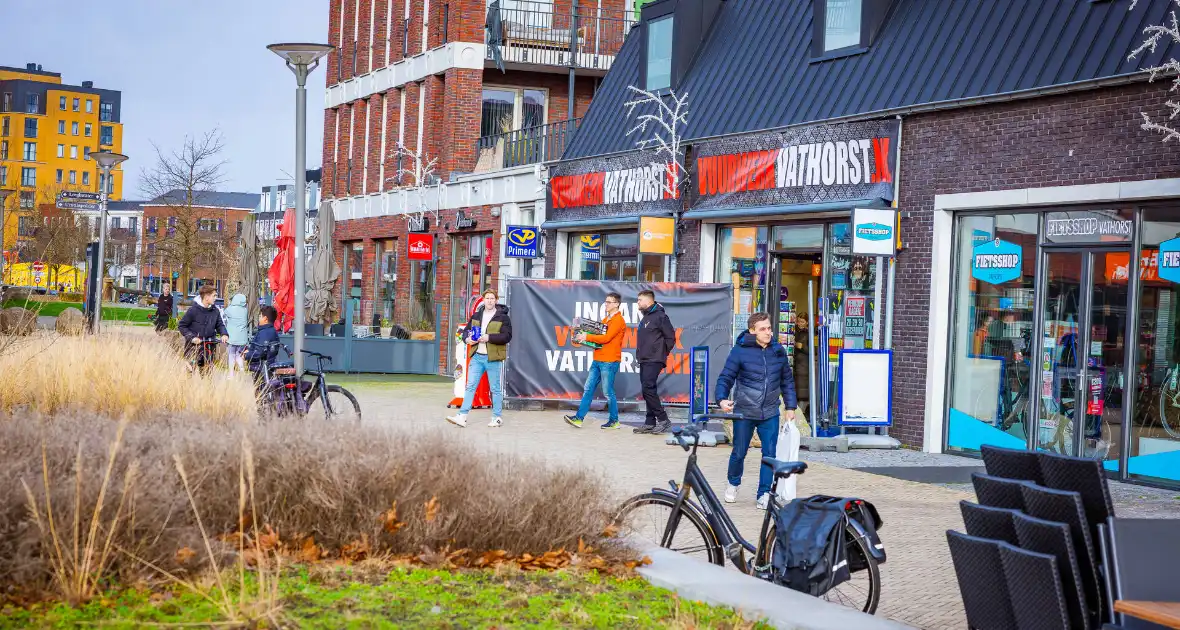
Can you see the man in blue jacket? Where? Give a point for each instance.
(755, 373)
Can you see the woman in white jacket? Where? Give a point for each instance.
(237, 324)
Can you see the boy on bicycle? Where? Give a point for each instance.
(260, 347)
(755, 373)
(202, 321)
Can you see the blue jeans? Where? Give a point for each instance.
(743, 432)
(479, 365)
(605, 372)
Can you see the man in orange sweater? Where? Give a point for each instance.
(606, 364)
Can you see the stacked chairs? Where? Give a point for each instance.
(1031, 556)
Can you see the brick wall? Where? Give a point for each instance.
(380, 32)
(333, 60)
(346, 41)
(1085, 138)
(327, 183)
(461, 113)
(357, 152)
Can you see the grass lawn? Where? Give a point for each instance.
(411, 598)
(112, 313)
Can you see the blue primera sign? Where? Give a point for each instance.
(996, 262)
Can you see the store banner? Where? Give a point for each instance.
(636, 183)
(872, 231)
(656, 235)
(522, 241)
(543, 362)
(1169, 260)
(420, 247)
(996, 262)
(800, 165)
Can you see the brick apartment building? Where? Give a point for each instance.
(1034, 298)
(417, 79)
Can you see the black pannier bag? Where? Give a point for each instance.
(866, 521)
(810, 554)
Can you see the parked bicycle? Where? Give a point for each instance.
(702, 527)
(284, 393)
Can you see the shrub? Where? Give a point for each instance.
(72, 297)
(115, 374)
(173, 323)
(393, 492)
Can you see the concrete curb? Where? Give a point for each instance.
(755, 599)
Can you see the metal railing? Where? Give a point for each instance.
(531, 145)
(537, 33)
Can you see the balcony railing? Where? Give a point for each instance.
(537, 33)
(525, 146)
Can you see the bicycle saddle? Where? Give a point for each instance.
(785, 469)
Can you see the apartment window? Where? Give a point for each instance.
(30, 127)
(85, 153)
(61, 150)
(508, 109)
(116, 223)
(238, 228)
(73, 177)
(3, 149)
(207, 225)
(151, 225)
(32, 103)
(85, 178)
(28, 199)
(659, 53)
(89, 129)
(74, 128)
(61, 127)
(171, 226)
(6, 102)
(3, 175)
(30, 151)
(60, 175)
(842, 22)
(73, 152)
(132, 224)
(5, 126)
(108, 185)
(61, 103)
(75, 104)
(89, 106)
(28, 177)
(25, 226)
(106, 135)
(106, 112)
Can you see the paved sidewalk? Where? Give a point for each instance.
(919, 587)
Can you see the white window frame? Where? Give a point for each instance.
(61, 150)
(73, 151)
(517, 103)
(74, 128)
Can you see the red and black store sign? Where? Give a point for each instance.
(639, 181)
(800, 165)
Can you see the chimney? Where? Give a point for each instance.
(88, 84)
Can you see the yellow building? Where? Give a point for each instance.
(47, 131)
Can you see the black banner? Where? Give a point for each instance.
(544, 364)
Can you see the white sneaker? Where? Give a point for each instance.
(496, 422)
(730, 494)
(459, 419)
(763, 501)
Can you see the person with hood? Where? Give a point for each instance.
(755, 373)
(202, 320)
(605, 366)
(262, 348)
(164, 307)
(655, 339)
(237, 324)
(488, 332)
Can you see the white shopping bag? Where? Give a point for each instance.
(787, 451)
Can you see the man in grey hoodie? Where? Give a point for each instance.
(237, 324)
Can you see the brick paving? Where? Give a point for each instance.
(918, 582)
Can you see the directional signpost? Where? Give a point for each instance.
(75, 200)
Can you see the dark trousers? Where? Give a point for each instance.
(648, 372)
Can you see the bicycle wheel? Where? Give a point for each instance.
(862, 591)
(341, 405)
(645, 516)
(1169, 403)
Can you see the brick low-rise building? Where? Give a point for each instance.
(1033, 300)
(193, 241)
(436, 129)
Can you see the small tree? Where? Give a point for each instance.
(1156, 34)
(420, 172)
(189, 236)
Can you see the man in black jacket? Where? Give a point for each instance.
(655, 342)
(202, 321)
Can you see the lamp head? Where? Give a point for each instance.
(300, 54)
(108, 159)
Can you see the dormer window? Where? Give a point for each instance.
(659, 54)
(842, 24)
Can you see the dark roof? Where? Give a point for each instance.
(35, 70)
(755, 69)
(125, 205)
(209, 199)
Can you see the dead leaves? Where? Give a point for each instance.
(389, 520)
(432, 509)
(185, 555)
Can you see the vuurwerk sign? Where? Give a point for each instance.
(802, 165)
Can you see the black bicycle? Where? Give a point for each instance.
(284, 393)
(202, 355)
(659, 517)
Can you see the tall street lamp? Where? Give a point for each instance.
(302, 59)
(3, 199)
(106, 161)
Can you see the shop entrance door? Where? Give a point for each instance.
(796, 283)
(1082, 353)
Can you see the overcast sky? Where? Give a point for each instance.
(184, 68)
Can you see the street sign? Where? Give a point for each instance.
(113, 271)
(75, 195)
(76, 205)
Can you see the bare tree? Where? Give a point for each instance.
(191, 236)
(1157, 33)
(58, 238)
(420, 174)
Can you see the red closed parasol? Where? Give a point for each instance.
(282, 273)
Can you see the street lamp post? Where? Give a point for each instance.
(302, 59)
(3, 200)
(106, 161)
